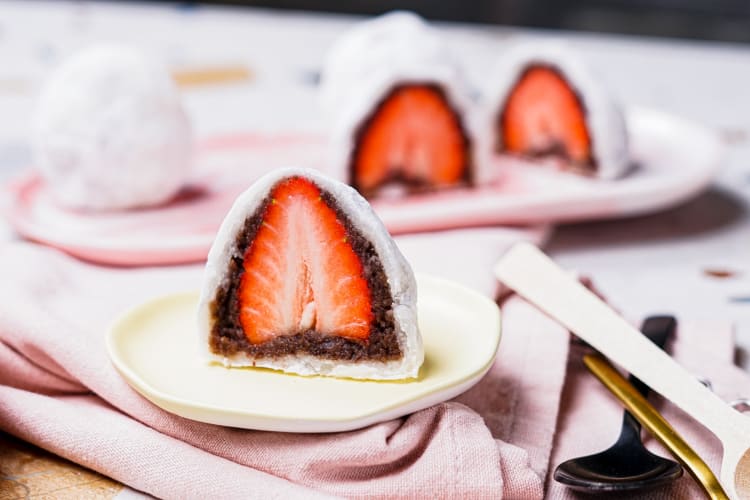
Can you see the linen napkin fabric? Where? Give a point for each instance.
(59, 390)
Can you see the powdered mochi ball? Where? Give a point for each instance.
(110, 131)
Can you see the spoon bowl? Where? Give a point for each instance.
(626, 466)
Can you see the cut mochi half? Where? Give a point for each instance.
(303, 277)
(544, 103)
(398, 110)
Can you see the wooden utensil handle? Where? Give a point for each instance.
(533, 275)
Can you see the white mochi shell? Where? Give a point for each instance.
(403, 287)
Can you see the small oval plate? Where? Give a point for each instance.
(154, 347)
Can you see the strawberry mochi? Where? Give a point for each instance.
(303, 277)
(110, 131)
(544, 103)
(398, 110)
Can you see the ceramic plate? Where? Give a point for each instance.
(674, 160)
(154, 348)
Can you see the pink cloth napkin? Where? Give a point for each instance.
(59, 391)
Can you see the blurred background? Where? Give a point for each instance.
(727, 20)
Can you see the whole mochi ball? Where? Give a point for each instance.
(110, 131)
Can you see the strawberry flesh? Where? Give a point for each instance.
(414, 138)
(544, 116)
(300, 272)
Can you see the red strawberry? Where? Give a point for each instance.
(300, 272)
(415, 136)
(543, 115)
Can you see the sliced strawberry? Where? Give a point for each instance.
(301, 273)
(413, 136)
(543, 115)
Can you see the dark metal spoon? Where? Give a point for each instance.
(627, 465)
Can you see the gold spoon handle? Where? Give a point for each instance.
(652, 420)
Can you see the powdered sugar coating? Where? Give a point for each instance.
(371, 60)
(389, 43)
(110, 131)
(400, 278)
(604, 119)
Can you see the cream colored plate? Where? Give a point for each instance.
(154, 348)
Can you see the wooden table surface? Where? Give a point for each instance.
(30, 472)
